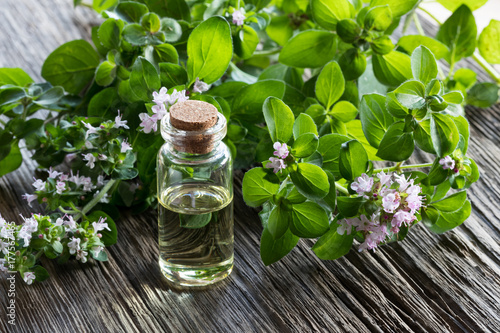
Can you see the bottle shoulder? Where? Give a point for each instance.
(221, 155)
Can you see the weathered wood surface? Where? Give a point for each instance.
(437, 283)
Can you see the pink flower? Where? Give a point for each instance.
(39, 184)
(161, 96)
(385, 179)
(363, 184)
(344, 227)
(390, 202)
(100, 225)
(238, 17)
(119, 122)
(29, 198)
(53, 173)
(281, 150)
(159, 111)
(125, 146)
(29, 277)
(401, 217)
(178, 97)
(90, 129)
(90, 160)
(147, 123)
(102, 157)
(403, 182)
(60, 187)
(276, 164)
(447, 163)
(74, 245)
(70, 225)
(200, 86)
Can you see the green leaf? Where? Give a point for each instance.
(451, 5)
(245, 42)
(398, 7)
(410, 42)
(310, 48)
(353, 160)
(280, 29)
(311, 181)
(249, 101)
(131, 11)
(378, 18)
(309, 220)
(101, 5)
(11, 95)
(279, 119)
(392, 68)
(136, 35)
(329, 148)
(104, 103)
(423, 65)
(463, 130)
(396, 145)
(305, 145)
(108, 237)
(272, 250)
(172, 75)
(164, 53)
(483, 94)
(110, 33)
(353, 64)
(41, 274)
(411, 94)
(489, 42)
(144, 79)
(327, 12)
(394, 106)
(125, 173)
(209, 50)
(177, 9)
(459, 33)
(13, 160)
(194, 221)
(422, 135)
(355, 131)
(71, 65)
(105, 74)
(349, 207)
(331, 245)
(304, 124)
(14, 76)
(151, 22)
(450, 203)
(278, 222)
(448, 220)
(374, 118)
(453, 97)
(344, 111)
(171, 29)
(259, 185)
(444, 134)
(330, 84)
(50, 96)
(437, 174)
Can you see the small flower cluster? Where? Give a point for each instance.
(21, 245)
(61, 186)
(163, 101)
(448, 163)
(238, 17)
(278, 163)
(98, 141)
(397, 200)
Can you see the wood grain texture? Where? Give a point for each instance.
(435, 283)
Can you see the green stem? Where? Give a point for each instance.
(417, 24)
(96, 199)
(487, 67)
(39, 254)
(430, 15)
(68, 211)
(398, 167)
(341, 188)
(267, 52)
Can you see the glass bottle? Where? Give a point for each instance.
(195, 195)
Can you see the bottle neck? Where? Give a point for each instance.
(193, 143)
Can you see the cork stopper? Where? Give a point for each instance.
(193, 115)
(195, 120)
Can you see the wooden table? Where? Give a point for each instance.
(439, 283)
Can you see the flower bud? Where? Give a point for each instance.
(99, 235)
(40, 236)
(378, 18)
(82, 197)
(353, 64)
(25, 258)
(382, 45)
(58, 239)
(46, 229)
(18, 253)
(102, 126)
(348, 30)
(73, 122)
(44, 199)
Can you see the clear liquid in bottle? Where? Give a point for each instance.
(195, 233)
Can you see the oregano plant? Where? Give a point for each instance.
(318, 96)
